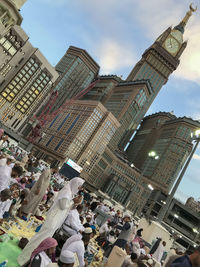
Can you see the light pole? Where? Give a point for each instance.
(152, 155)
(196, 137)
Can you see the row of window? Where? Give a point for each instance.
(19, 81)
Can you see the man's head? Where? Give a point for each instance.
(79, 208)
(195, 257)
(164, 244)
(88, 218)
(179, 251)
(17, 171)
(5, 195)
(118, 212)
(23, 180)
(134, 257)
(127, 218)
(67, 259)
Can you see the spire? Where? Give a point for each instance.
(181, 26)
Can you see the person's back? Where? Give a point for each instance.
(183, 261)
(171, 259)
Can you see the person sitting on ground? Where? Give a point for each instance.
(42, 255)
(5, 203)
(66, 259)
(78, 245)
(72, 224)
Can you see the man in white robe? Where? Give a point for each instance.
(72, 224)
(76, 244)
(157, 255)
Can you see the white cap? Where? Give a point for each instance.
(67, 256)
(88, 230)
(126, 214)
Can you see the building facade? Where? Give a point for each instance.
(80, 133)
(193, 204)
(77, 70)
(26, 78)
(170, 138)
(185, 223)
(10, 15)
(182, 221)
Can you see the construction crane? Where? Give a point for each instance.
(47, 116)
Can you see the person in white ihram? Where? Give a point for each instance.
(65, 200)
(72, 224)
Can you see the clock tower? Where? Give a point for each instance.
(157, 63)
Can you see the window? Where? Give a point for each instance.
(72, 125)
(8, 45)
(141, 98)
(50, 140)
(65, 119)
(54, 120)
(59, 144)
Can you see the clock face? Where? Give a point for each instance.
(171, 45)
(178, 35)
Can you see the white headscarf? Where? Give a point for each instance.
(75, 184)
(67, 256)
(70, 189)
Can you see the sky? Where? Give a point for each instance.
(116, 33)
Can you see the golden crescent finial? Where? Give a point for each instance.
(193, 9)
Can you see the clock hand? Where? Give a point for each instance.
(170, 41)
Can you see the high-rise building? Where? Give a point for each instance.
(26, 78)
(77, 70)
(9, 15)
(80, 133)
(129, 100)
(170, 137)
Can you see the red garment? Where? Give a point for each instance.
(44, 245)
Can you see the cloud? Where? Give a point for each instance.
(114, 56)
(181, 196)
(196, 156)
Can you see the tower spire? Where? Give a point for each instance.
(182, 24)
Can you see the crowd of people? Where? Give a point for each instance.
(72, 227)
